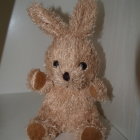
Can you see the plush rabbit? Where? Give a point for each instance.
(71, 83)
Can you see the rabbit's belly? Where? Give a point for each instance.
(70, 117)
(70, 110)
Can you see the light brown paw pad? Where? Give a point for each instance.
(91, 133)
(35, 131)
(36, 79)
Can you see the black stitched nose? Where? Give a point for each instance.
(66, 76)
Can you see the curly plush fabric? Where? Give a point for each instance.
(70, 83)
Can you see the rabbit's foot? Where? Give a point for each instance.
(91, 133)
(36, 131)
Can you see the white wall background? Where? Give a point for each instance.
(26, 45)
(120, 40)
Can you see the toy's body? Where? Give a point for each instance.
(70, 84)
(70, 110)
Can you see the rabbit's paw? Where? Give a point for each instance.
(35, 131)
(36, 79)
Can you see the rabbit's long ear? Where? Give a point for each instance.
(83, 19)
(47, 20)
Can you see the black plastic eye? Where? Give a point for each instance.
(55, 63)
(83, 65)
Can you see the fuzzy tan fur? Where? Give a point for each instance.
(69, 105)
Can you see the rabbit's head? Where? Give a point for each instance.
(72, 60)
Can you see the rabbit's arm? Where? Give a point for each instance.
(38, 81)
(99, 90)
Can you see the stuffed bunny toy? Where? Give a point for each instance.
(71, 82)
